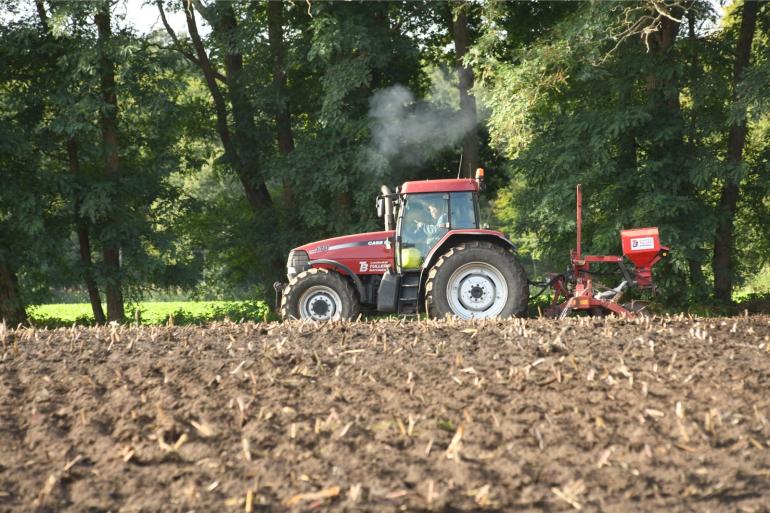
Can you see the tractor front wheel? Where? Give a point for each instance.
(319, 295)
(477, 280)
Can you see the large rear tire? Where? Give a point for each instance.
(477, 280)
(319, 295)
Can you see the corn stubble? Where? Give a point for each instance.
(585, 414)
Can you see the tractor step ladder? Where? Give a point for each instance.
(407, 299)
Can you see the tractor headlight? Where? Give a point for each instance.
(298, 262)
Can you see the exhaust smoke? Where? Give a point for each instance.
(408, 131)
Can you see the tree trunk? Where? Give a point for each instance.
(240, 149)
(628, 159)
(240, 146)
(109, 128)
(662, 42)
(243, 112)
(245, 136)
(697, 278)
(11, 306)
(695, 265)
(43, 15)
(723, 263)
(81, 227)
(461, 37)
(694, 65)
(84, 240)
(282, 111)
(209, 74)
(672, 152)
(278, 54)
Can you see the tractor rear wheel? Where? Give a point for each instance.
(319, 295)
(476, 280)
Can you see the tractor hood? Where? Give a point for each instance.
(360, 245)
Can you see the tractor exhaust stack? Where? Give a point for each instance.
(390, 221)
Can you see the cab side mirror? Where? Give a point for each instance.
(380, 206)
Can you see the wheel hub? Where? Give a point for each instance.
(320, 306)
(476, 292)
(320, 303)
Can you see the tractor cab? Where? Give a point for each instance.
(425, 212)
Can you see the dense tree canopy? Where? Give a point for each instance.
(192, 160)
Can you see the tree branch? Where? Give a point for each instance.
(173, 37)
(644, 20)
(180, 47)
(202, 10)
(210, 75)
(43, 16)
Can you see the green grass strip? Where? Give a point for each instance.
(154, 313)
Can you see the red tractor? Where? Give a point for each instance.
(439, 260)
(433, 257)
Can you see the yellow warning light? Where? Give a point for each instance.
(480, 173)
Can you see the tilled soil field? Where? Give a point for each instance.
(591, 414)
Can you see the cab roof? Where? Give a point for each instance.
(444, 185)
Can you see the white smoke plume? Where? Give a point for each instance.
(406, 131)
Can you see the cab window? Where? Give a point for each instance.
(463, 210)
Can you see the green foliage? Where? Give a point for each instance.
(355, 51)
(564, 96)
(642, 130)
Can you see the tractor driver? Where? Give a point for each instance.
(432, 224)
(424, 221)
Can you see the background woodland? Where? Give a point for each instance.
(188, 163)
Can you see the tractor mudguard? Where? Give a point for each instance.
(333, 263)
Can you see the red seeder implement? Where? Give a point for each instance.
(640, 245)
